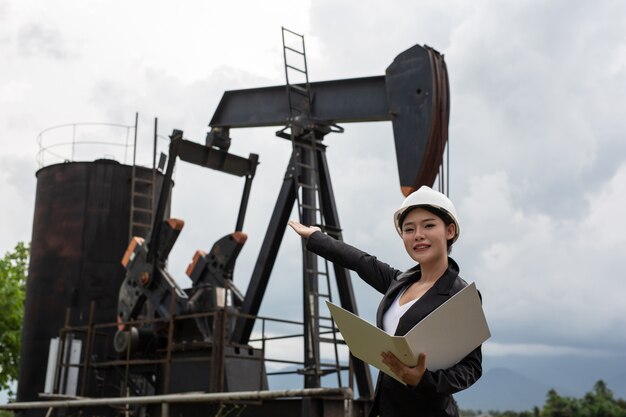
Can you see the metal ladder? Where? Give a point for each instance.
(141, 201)
(142, 191)
(317, 285)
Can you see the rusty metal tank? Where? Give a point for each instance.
(80, 232)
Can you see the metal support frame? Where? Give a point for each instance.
(267, 257)
(130, 366)
(310, 307)
(413, 94)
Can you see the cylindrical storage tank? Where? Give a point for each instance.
(80, 233)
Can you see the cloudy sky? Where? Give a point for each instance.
(538, 156)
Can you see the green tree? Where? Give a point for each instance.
(557, 406)
(597, 403)
(13, 269)
(601, 403)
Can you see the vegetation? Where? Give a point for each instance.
(13, 267)
(600, 402)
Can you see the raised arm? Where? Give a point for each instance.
(302, 230)
(376, 273)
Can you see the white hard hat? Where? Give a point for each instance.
(426, 196)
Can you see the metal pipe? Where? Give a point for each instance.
(154, 145)
(244, 204)
(154, 169)
(346, 393)
(89, 336)
(135, 139)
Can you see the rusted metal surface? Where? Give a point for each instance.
(75, 257)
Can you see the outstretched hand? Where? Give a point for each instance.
(302, 230)
(410, 375)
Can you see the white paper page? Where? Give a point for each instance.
(367, 341)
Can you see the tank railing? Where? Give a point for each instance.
(64, 143)
(91, 331)
(76, 138)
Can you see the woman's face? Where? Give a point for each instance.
(426, 236)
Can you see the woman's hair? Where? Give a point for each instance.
(443, 215)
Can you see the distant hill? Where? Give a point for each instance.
(503, 389)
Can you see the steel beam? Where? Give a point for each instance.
(267, 257)
(337, 101)
(217, 159)
(413, 94)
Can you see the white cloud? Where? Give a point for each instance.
(13, 92)
(37, 39)
(606, 223)
(546, 278)
(17, 202)
(536, 130)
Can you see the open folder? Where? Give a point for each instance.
(446, 335)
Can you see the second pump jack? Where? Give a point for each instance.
(149, 290)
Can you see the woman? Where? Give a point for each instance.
(428, 225)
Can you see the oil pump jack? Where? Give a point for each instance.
(413, 95)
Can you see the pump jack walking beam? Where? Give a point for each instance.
(413, 94)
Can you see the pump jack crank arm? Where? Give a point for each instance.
(146, 281)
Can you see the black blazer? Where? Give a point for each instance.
(433, 395)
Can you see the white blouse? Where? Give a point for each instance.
(394, 312)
